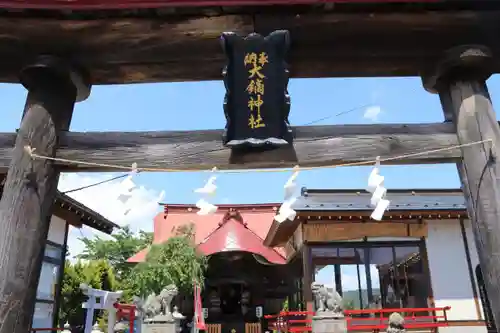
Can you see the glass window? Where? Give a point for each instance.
(352, 287)
(381, 270)
(342, 269)
(373, 276)
(412, 284)
(53, 252)
(48, 281)
(57, 230)
(43, 316)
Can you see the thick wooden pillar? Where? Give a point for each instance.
(460, 81)
(31, 186)
(307, 277)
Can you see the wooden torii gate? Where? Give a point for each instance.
(431, 40)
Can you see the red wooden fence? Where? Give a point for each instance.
(374, 320)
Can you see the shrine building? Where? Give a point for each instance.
(422, 255)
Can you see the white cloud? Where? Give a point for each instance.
(372, 112)
(103, 199)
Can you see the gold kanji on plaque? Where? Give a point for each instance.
(263, 59)
(254, 104)
(256, 121)
(257, 63)
(250, 59)
(256, 87)
(255, 72)
(253, 59)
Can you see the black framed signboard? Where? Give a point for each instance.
(256, 104)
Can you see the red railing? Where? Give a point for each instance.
(377, 319)
(373, 320)
(286, 321)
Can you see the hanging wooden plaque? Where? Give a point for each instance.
(256, 104)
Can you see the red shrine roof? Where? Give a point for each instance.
(231, 228)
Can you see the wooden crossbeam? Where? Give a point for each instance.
(185, 46)
(201, 150)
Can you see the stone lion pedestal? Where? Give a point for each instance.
(329, 323)
(159, 324)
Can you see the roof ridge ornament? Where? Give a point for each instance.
(232, 215)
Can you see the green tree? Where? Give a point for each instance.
(284, 307)
(174, 261)
(96, 274)
(116, 251)
(349, 305)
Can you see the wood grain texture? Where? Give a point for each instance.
(26, 204)
(186, 47)
(308, 275)
(470, 104)
(289, 249)
(79, 5)
(280, 233)
(329, 232)
(202, 150)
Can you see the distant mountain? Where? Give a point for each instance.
(352, 297)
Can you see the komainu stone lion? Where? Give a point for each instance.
(151, 306)
(166, 296)
(326, 299)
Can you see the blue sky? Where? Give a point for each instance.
(193, 106)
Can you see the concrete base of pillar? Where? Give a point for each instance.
(159, 327)
(329, 324)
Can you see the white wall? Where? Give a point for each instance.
(449, 272)
(463, 329)
(57, 230)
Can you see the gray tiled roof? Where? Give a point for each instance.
(347, 200)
